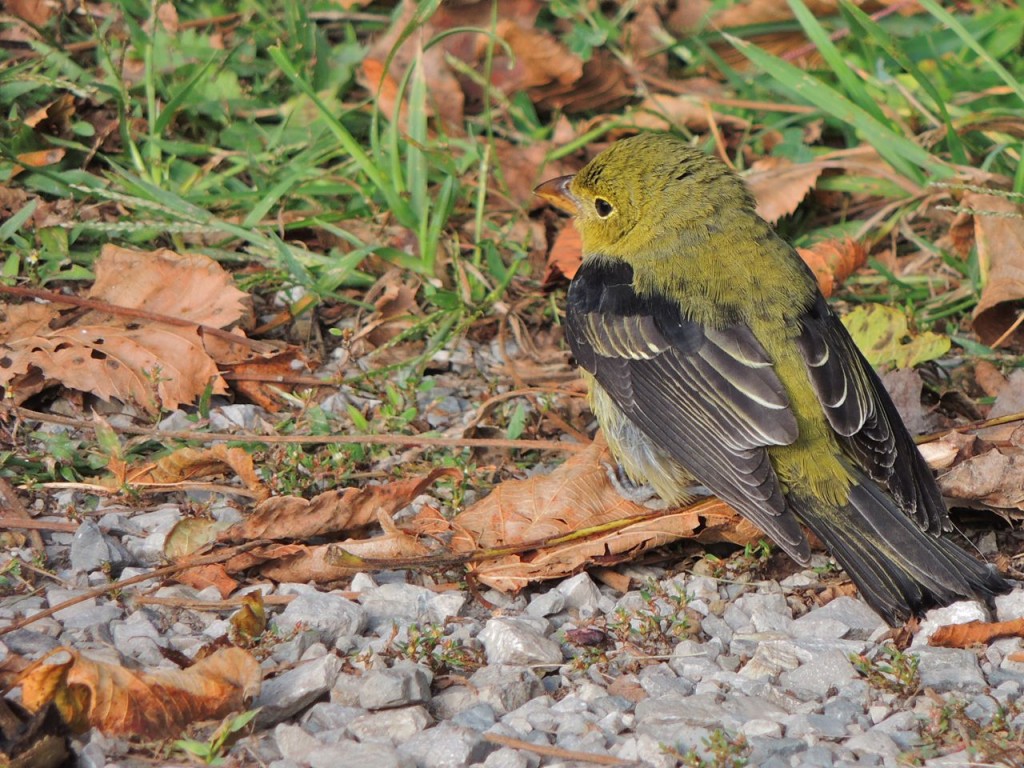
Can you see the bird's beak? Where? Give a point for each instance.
(556, 192)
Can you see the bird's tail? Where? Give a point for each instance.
(899, 569)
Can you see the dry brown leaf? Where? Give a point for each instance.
(664, 112)
(188, 465)
(832, 261)
(149, 705)
(780, 185)
(992, 478)
(35, 12)
(975, 633)
(445, 98)
(136, 361)
(989, 378)
(250, 620)
(999, 233)
(538, 60)
(579, 495)
(38, 159)
(292, 517)
(524, 167)
(566, 255)
(200, 577)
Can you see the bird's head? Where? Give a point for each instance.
(644, 192)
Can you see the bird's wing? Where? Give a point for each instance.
(709, 398)
(863, 415)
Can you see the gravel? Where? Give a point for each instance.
(739, 667)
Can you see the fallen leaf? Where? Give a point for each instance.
(992, 478)
(151, 705)
(292, 517)
(780, 185)
(989, 378)
(905, 386)
(693, 111)
(579, 496)
(999, 233)
(250, 620)
(1010, 397)
(566, 255)
(138, 361)
(188, 465)
(883, 336)
(35, 12)
(975, 633)
(832, 261)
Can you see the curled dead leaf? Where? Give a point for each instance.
(832, 261)
(291, 517)
(999, 234)
(150, 705)
(992, 478)
(576, 517)
(975, 633)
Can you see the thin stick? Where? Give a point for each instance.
(159, 573)
(209, 437)
(114, 309)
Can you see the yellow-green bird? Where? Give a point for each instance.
(713, 359)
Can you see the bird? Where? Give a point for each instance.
(714, 362)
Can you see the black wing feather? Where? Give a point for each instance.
(709, 398)
(863, 415)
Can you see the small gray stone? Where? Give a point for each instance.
(479, 717)
(330, 615)
(770, 659)
(950, 669)
(818, 756)
(390, 726)
(328, 716)
(402, 604)
(290, 651)
(814, 679)
(546, 603)
(764, 749)
(716, 627)
(403, 684)
(294, 743)
(1011, 605)
(448, 703)
(874, 743)
(690, 660)
(820, 726)
(761, 728)
(30, 643)
(352, 754)
(91, 550)
(855, 614)
(581, 594)
(83, 614)
(512, 641)
(511, 758)
(446, 746)
(294, 690)
(139, 638)
(983, 709)
(660, 680)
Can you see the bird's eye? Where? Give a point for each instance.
(603, 207)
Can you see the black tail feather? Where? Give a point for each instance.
(899, 569)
